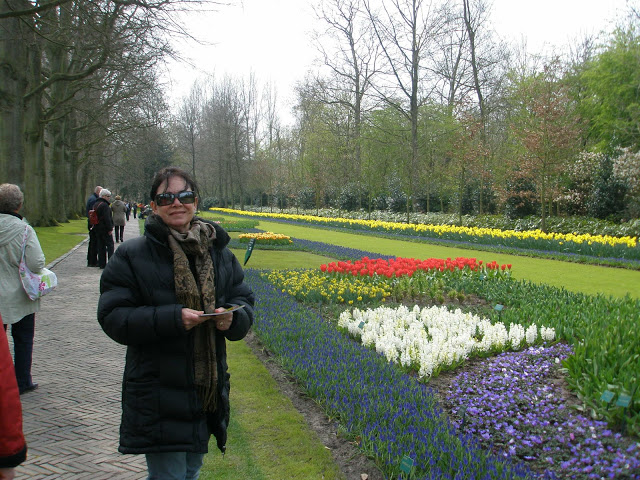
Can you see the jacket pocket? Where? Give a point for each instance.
(140, 414)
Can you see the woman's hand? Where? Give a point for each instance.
(191, 318)
(223, 322)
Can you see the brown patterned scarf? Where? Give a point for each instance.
(199, 294)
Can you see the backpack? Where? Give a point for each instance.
(93, 217)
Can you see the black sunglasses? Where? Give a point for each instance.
(164, 199)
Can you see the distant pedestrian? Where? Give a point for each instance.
(119, 209)
(92, 251)
(16, 308)
(134, 208)
(104, 228)
(13, 447)
(127, 211)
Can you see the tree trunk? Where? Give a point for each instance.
(13, 85)
(36, 198)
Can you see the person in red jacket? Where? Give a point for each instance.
(13, 447)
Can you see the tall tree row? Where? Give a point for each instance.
(77, 77)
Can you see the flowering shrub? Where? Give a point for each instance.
(626, 169)
(429, 339)
(267, 238)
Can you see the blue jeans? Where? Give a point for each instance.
(174, 465)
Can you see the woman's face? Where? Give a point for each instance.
(176, 215)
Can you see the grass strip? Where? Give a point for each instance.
(60, 239)
(281, 259)
(268, 437)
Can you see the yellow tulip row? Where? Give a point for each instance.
(444, 230)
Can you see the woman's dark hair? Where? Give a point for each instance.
(166, 173)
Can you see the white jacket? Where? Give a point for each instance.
(14, 302)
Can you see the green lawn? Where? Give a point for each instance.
(56, 241)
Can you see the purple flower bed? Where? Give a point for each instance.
(510, 403)
(336, 250)
(393, 414)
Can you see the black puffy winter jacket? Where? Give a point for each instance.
(161, 411)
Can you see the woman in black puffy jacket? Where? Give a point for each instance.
(155, 293)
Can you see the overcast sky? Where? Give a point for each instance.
(272, 37)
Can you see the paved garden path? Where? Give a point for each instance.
(71, 421)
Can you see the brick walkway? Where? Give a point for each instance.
(71, 421)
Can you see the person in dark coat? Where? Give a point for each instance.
(119, 212)
(92, 250)
(104, 228)
(153, 294)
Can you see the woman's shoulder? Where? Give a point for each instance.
(135, 245)
(9, 219)
(222, 237)
(11, 227)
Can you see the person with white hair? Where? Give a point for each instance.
(16, 308)
(104, 228)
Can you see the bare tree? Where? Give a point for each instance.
(406, 29)
(189, 122)
(351, 59)
(225, 141)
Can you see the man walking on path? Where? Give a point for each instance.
(92, 251)
(71, 421)
(104, 228)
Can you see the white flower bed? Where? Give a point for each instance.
(427, 339)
